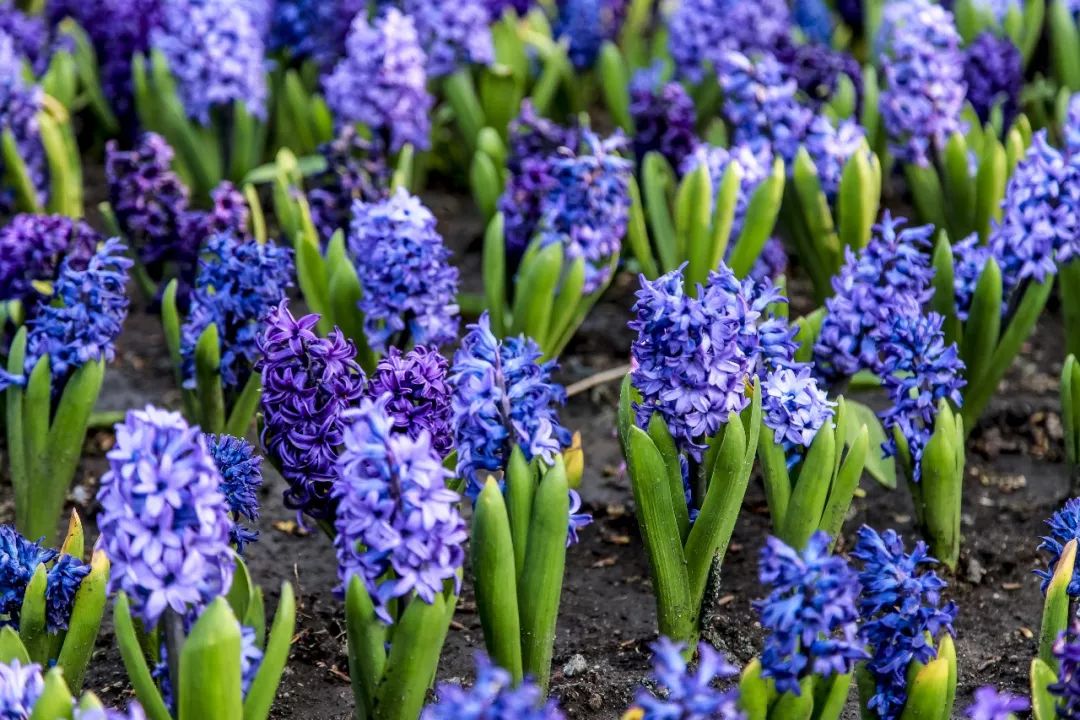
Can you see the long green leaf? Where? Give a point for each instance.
(367, 636)
(211, 395)
(811, 490)
(413, 658)
(210, 667)
(1055, 616)
(86, 615)
(135, 662)
(495, 274)
(535, 289)
(260, 696)
(493, 568)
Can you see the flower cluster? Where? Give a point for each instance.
(893, 264)
(695, 355)
(503, 396)
(970, 256)
(88, 309)
(1067, 688)
(588, 206)
(794, 406)
(409, 285)
(1064, 526)
(700, 32)
(755, 163)
(923, 78)
(534, 143)
(29, 33)
(32, 248)
(355, 170)
(313, 29)
(454, 33)
(901, 612)
(164, 521)
(216, 54)
(817, 69)
(19, 560)
(420, 395)
(20, 103)
(663, 115)
(814, 19)
(993, 705)
(810, 613)
(238, 284)
(830, 147)
(381, 82)
(20, 687)
(493, 695)
(241, 478)
(586, 25)
(993, 73)
(689, 695)
(918, 370)
(398, 527)
(308, 382)
(134, 712)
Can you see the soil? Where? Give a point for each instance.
(1016, 478)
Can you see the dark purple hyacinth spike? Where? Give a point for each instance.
(994, 73)
(420, 394)
(701, 32)
(356, 169)
(241, 478)
(20, 103)
(664, 117)
(817, 69)
(32, 248)
(308, 383)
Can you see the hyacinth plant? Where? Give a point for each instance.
(812, 646)
(71, 291)
(214, 346)
(495, 694)
(51, 602)
(202, 85)
(1019, 21)
(907, 630)
(40, 164)
(679, 691)
(510, 454)
(26, 691)
(189, 621)
(551, 250)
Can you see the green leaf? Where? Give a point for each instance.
(959, 187)
(536, 283)
(32, 629)
(243, 410)
(795, 707)
(65, 189)
(990, 187)
(55, 700)
(210, 667)
(565, 307)
(657, 180)
(830, 696)
(855, 211)
(211, 396)
(754, 692)
(367, 636)
(11, 647)
(661, 437)
(501, 93)
(86, 614)
(414, 655)
(811, 491)
(637, 234)
(942, 485)
(345, 294)
(880, 468)
(311, 274)
(759, 221)
(693, 213)
(983, 327)
(260, 696)
(493, 567)
(42, 507)
(495, 274)
(135, 662)
(17, 176)
(1043, 703)
(1064, 45)
(485, 182)
(460, 92)
(927, 694)
(927, 192)
(1055, 616)
(14, 400)
(615, 84)
(239, 595)
(725, 203)
(944, 299)
(775, 476)
(846, 482)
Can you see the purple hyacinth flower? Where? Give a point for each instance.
(20, 104)
(810, 613)
(381, 82)
(772, 263)
(689, 694)
(493, 696)
(239, 282)
(1064, 526)
(586, 25)
(923, 78)
(814, 19)
(19, 560)
(453, 33)
(355, 170)
(420, 394)
(398, 526)
(664, 117)
(695, 354)
(30, 35)
(503, 397)
(313, 29)
(902, 614)
(793, 405)
(496, 8)
(134, 712)
(32, 249)
(164, 521)
(587, 208)
(20, 687)
(409, 285)
(970, 256)
(700, 32)
(994, 73)
(308, 383)
(830, 147)
(1067, 688)
(817, 69)
(241, 478)
(990, 704)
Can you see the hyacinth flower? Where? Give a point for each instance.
(990, 704)
(510, 454)
(188, 618)
(26, 691)
(813, 645)
(1018, 21)
(400, 549)
(387, 283)
(494, 695)
(55, 368)
(203, 87)
(689, 694)
(214, 347)
(565, 250)
(690, 414)
(907, 630)
(51, 601)
(40, 166)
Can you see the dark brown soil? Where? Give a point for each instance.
(1016, 477)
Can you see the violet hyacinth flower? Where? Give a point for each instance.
(1064, 526)
(29, 33)
(381, 82)
(409, 285)
(993, 73)
(894, 264)
(503, 396)
(496, 8)
(810, 613)
(355, 170)
(216, 55)
(20, 103)
(701, 32)
(134, 711)
(20, 687)
(492, 697)
(313, 29)
(586, 25)
(398, 526)
(923, 73)
(664, 117)
(970, 256)
(695, 354)
(793, 406)
(755, 162)
(902, 614)
(817, 69)
(420, 394)
(772, 263)
(453, 33)
(32, 249)
(164, 521)
(814, 19)
(239, 282)
(241, 478)
(587, 208)
(1067, 688)
(830, 147)
(19, 560)
(689, 694)
(308, 383)
(990, 704)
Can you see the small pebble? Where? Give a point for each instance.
(596, 702)
(575, 666)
